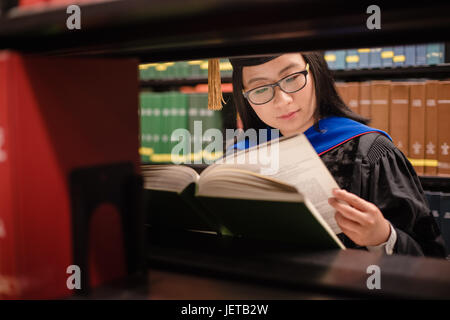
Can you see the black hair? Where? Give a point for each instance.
(328, 101)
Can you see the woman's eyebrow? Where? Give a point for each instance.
(279, 73)
(288, 67)
(256, 79)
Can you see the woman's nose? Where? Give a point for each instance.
(281, 98)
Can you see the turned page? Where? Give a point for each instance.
(294, 161)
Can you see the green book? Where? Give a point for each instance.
(251, 200)
(181, 122)
(195, 119)
(156, 101)
(145, 114)
(166, 124)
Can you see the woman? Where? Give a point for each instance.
(384, 205)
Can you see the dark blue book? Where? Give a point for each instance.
(445, 218)
(364, 58)
(375, 58)
(442, 53)
(410, 56)
(340, 60)
(352, 59)
(330, 58)
(421, 54)
(434, 202)
(387, 55)
(434, 54)
(399, 56)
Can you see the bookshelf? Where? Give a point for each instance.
(160, 31)
(438, 72)
(150, 31)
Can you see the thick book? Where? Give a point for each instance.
(421, 55)
(410, 56)
(431, 127)
(352, 58)
(443, 132)
(380, 93)
(417, 124)
(399, 115)
(364, 58)
(375, 58)
(399, 56)
(342, 90)
(365, 99)
(353, 96)
(445, 218)
(277, 191)
(387, 56)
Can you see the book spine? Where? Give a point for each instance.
(353, 96)
(375, 58)
(330, 58)
(445, 219)
(421, 54)
(145, 150)
(399, 56)
(399, 116)
(365, 100)
(342, 90)
(434, 202)
(417, 126)
(352, 59)
(431, 127)
(8, 263)
(443, 132)
(340, 60)
(387, 55)
(380, 104)
(410, 56)
(364, 58)
(433, 55)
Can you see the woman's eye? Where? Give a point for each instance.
(292, 78)
(261, 90)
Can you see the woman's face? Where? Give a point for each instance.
(291, 113)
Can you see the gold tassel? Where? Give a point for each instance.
(215, 97)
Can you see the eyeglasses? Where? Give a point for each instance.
(289, 84)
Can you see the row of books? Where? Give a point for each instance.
(415, 114)
(385, 57)
(162, 113)
(181, 70)
(439, 203)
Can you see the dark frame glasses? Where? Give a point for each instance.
(272, 86)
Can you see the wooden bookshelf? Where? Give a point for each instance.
(159, 31)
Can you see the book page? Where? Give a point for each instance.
(168, 177)
(293, 160)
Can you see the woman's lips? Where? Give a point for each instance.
(289, 115)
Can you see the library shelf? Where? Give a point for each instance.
(175, 30)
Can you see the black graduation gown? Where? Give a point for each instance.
(371, 167)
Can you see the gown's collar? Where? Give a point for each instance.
(333, 131)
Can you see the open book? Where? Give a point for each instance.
(275, 191)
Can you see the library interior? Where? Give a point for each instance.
(115, 116)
